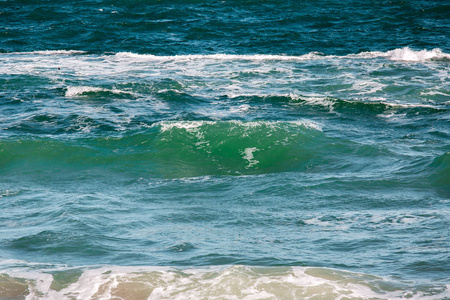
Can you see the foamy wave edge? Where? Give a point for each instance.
(194, 125)
(224, 282)
(406, 54)
(76, 91)
(400, 54)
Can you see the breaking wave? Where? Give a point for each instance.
(232, 282)
(192, 148)
(399, 54)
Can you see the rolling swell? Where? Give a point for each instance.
(350, 107)
(193, 148)
(235, 148)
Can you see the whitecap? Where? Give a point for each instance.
(218, 57)
(192, 125)
(187, 125)
(73, 91)
(404, 54)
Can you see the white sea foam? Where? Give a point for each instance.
(248, 155)
(308, 124)
(405, 54)
(401, 54)
(73, 91)
(211, 77)
(194, 125)
(278, 124)
(187, 125)
(227, 282)
(219, 57)
(310, 99)
(364, 87)
(436, 93)
(244, 108)
(79, 90)
(329, 102)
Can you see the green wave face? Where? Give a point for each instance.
(177, 149)
(234, 148)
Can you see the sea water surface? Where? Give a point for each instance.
(224, 149)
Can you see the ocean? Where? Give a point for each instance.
(252, 149)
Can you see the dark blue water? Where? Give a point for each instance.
(231, 27)
(224, 150)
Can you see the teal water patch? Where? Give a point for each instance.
(440, 175)
(216, 27)
(49, 155)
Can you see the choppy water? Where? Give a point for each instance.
(224, 150)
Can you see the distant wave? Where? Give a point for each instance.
(355, 77)
(345, 106)
(399, 54)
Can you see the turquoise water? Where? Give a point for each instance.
(224, 150)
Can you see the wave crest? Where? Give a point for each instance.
(195, 148)
(77, 91)
(406, 54)
(399, 54)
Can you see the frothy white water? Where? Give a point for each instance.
(248, 155)
(193, 126)
(80, 90)
(404, 54)
(187, 125)
(232, 282)
(223, 57)
(362, 76)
